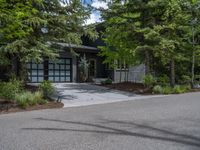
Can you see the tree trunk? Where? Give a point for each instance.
(120, 75)
(13, 67)
(193, 65)
(172, 73)
(193, 58)
(147, 62)
(23, 73)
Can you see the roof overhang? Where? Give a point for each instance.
(76, 48)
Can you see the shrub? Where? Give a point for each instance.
(157, 89)
(107, 81)
(149, 81)
(163, 80)
(84, 66)
(8, 90)
(26, 99)
(39, 98)
(177, 89)
(46, 88)
(187, 87)
(167, 90)
(185, 79)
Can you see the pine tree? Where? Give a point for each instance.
(27, 26)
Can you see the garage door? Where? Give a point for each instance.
(35, 71)
(59, 71)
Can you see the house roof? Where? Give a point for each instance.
(77, 48)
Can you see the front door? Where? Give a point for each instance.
(92, 68)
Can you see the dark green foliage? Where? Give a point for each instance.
(46, 88)
(163, 80)
(185, 79)
(149, 81)
(107, 81)
(29, 28)
(8, 90)
(162, 34)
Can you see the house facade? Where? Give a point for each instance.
(66, 67)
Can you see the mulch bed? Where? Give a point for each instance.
(195, 90)
(31, 88)
(13, 108)
(10, 107)
(137, 88)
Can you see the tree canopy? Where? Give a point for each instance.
(162, 34)
(26, 26)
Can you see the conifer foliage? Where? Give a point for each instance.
(27, 26)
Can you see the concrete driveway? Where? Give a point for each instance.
(165, 123)
(82, 94)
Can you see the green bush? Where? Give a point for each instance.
(149, 81)
(27, 98)
(185, 79)
(107, 81)
(8, 90)
(46, 88)
(187, 87)
(157, 89)
(39, 98)
(163, 80)
(167, 90)
(177, 89)
(181, 89)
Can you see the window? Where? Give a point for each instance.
(60, 71)
(35, 71)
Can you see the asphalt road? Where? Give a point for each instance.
(167, 123)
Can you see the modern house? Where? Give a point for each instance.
(66, 67)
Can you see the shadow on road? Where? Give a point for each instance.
(115, 129)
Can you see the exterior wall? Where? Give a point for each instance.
(135, 74)
(100, 67)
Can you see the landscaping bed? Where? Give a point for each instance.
(16, 97)
(137, 88)
(12, 107)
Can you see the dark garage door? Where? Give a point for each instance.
(59, 71)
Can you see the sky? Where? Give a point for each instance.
(95, 15)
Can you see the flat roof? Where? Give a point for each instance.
(78, 48)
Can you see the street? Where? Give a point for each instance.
(162, 123)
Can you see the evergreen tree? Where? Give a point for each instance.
(27, 26)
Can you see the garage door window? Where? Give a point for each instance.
(60, 71)
(35, 71)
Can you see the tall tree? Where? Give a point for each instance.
(27, 26)
(192, 8)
